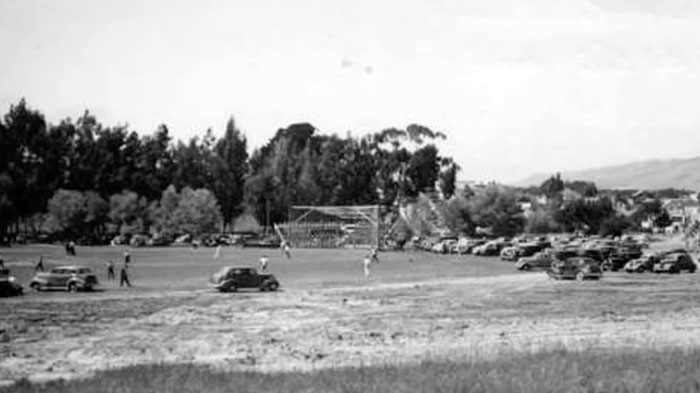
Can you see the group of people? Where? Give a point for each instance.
(286, 250)
(123, 273)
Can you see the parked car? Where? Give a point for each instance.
(617, 259)
(8, 284)
(230, 279)
(444, 245)
(491, 248)
(466, 245)
(675, 263)
(578, 268)
(541, 260)
(511, 253)
(71, 278)
(642, 264)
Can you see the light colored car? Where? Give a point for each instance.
(541, 260)
(578, 268)
(71, 278)
(642, 264)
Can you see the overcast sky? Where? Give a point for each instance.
(518, 86)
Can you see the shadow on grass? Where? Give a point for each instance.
(556, 371)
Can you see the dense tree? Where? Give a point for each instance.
(230, 167)
(69, 210)
(496, 207)
(197, 212)
(121, 176)
(128, 209)
(553, 186)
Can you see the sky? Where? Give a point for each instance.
(518, 87)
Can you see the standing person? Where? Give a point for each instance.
(373, 254)
(39, 265)
(286, 249)
(2, 262)
(263, 263)
(110, 270)
(124, 277)
(217, 253)
(127, 258)
(367, 262)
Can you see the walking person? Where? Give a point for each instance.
(124, 277)
(39, 265)
(263, 263)
(2, 262)
(127, 258)
(110, 271)
(217, 253)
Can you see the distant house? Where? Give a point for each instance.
(682, 211)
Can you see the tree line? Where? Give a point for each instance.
(90, 180)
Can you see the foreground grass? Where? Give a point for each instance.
(558, 371)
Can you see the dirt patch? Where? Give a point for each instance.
(462, 319)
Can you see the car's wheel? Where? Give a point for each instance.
(72, 287)
(273, 287)
(525, 267)
(35, 286)
(640, 269)
(692, 269)
(580, 276)
(674, 270)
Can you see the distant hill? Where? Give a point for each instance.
(648, 175)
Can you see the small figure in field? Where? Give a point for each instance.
(39, 265)
(217, 253)
(373, 254)
(286, 248)
(2, 262)
(367, 262)
(110, 271)
(127, 258)
(263, 263)
(70, 248)
(124, 277)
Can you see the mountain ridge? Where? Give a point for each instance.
(652, 174)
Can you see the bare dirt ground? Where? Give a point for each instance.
(371, 322)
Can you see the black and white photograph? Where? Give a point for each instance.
(349, 196)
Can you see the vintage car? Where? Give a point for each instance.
(492, 248)
(444, 245)
(579, 268)
(541, 260)
(230, 279)
(8, 284)
(466, 245)
(71, 278)
(511, 253)
(675, 263)
(617, 259)
(642, 264)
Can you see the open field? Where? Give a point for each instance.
(416, 307)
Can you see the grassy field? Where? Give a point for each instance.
(560, 371)
(421, 322)
(182, 268)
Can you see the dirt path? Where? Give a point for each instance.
(461, 319)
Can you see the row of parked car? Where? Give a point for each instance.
(547, 252)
